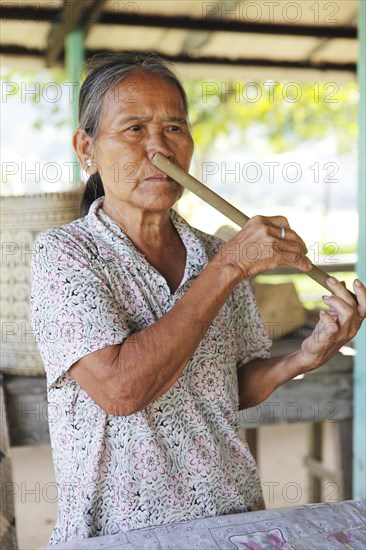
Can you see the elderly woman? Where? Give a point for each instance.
(148, 328)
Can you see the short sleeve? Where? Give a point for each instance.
(73, 309)
(251, 336)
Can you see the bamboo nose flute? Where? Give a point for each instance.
(220, 204)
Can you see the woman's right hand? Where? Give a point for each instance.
(262, 245)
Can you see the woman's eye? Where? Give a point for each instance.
(135, 128)
(174, 128)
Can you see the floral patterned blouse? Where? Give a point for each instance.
(182, 456)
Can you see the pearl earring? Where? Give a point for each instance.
(88, 162)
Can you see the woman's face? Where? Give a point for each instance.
(142, 115)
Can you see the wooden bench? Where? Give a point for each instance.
(324, 395)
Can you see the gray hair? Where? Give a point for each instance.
(104, 71)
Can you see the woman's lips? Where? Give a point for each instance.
(159, 177)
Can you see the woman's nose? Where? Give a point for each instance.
(157, 143)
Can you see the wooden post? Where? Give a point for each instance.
(315, 444)
(359, 386)
(74, 59)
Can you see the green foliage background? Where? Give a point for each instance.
(288, 113)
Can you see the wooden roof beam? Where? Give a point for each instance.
(221, 25)
(28, 12)
(75, 13)
(13, 49)
(182, 22)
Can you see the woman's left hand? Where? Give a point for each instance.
(337, 326)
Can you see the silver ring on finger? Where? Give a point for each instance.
(283, 233)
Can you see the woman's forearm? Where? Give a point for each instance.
(259, 378)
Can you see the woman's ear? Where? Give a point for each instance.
(82, 144)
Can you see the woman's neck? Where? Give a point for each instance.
(149, 229)
(155, 236)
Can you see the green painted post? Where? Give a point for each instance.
(359, 385)
(74, 59)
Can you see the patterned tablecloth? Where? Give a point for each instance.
(310, 527)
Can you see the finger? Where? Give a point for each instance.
(360, 292)
(339, 308)
(279, 221)
(333, 313)
(292, 253)
(337, 289)
(290, 236)
(325, 317)
(327, 328)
